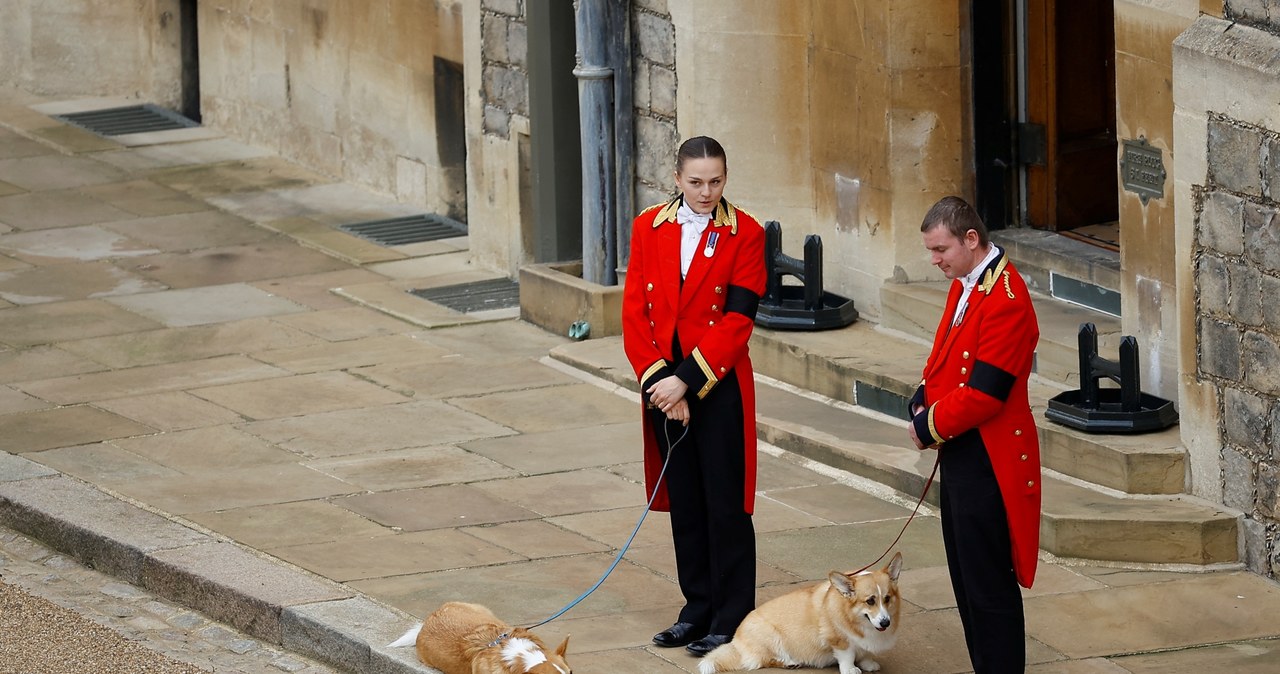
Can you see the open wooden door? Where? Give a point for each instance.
(1068, 138)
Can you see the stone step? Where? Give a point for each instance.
(914, 308)
(1077, 522)
(875, 368)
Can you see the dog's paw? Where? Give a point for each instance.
(869, 665)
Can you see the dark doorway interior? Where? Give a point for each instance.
(190, 50)
(451, 135)
(1044, 113)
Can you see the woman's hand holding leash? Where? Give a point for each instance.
(668, 395)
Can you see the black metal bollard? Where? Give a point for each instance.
(808, 307)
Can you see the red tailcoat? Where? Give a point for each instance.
(976, 377)
(713, 313)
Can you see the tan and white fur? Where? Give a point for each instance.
(843, 621)
(461, 638)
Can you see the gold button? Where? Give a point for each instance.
(1018, 432)
(1024, 457)
(651, 324)
(711, 322)
(963, 370)
(715, 308)
(961, 384)
(722, 370)
(1031, 483)
(651, 288)
(964, 355)
(719, 290)
(651, 305)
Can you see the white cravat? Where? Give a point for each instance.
(692, 225)
(970, 280)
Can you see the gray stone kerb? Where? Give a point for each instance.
(262, 596)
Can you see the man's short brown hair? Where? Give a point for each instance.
(958, 216)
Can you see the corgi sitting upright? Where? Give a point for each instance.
(461, 638)
(843, 621)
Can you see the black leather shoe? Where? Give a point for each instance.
(678, 634)
(708, 643)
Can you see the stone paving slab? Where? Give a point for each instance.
(56, 208)
(305, 394)
(40, 362)
(86, 242)
(316, 291)
(412, 467)
(58, 172)
(283, 525)
(63, 427)
(271, 258)
(41, 285)
(145, 198)
(561, 450)
(550, 408)
(359, 431)
(262, 173)
(462, 376)
(397, 351)
(135, 381)
(208, 304)
(172, 345)
(63, 321)
(214, 151)
(350, 631)
(172, 411)
(12, 400)
(232, 488)
(396, 557)
(190, 231)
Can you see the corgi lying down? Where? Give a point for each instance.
(842, 621)
(460, 638)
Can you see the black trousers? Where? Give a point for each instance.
(714, 538)
(975, 532)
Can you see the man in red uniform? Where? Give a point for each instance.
(693, 283)
(972, 406)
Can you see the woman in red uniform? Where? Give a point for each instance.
(693, 283)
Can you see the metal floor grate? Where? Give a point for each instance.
(126, 120)
(408, 229)
(478, 296)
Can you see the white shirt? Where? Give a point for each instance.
(692, 225)
(970, 280)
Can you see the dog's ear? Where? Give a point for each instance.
(564, 646)
(841, 583)
(895, 567)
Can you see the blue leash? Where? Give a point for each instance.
(670, 449)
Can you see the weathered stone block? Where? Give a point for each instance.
(1222, 223)
(1262, 235)
(1246, 417)
(662, 91)
(658, 6)
(493, 38)
(1238, 479)
(1271, 167)
(1268, 489)
(1219, 349)
(656, 145)
(1212, 285)
(656, 37)
(1271, 307)
(1235, 157)
(1252, 12)
(517, 43)
(1261, 360)
(497, 121)
(508, 7)
(1255, 545)
(1245, 304)
(506, 88)
(1273, 428)
(640, 84)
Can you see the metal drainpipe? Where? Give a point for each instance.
(624, 147)
(595, 105)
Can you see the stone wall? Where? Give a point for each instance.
(654, 78)
(77, 48)
(1238, 281)
(1263, 14)
(349, 89)
(1227, 127)
(504, 73)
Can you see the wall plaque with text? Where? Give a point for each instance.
(1142, 169)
